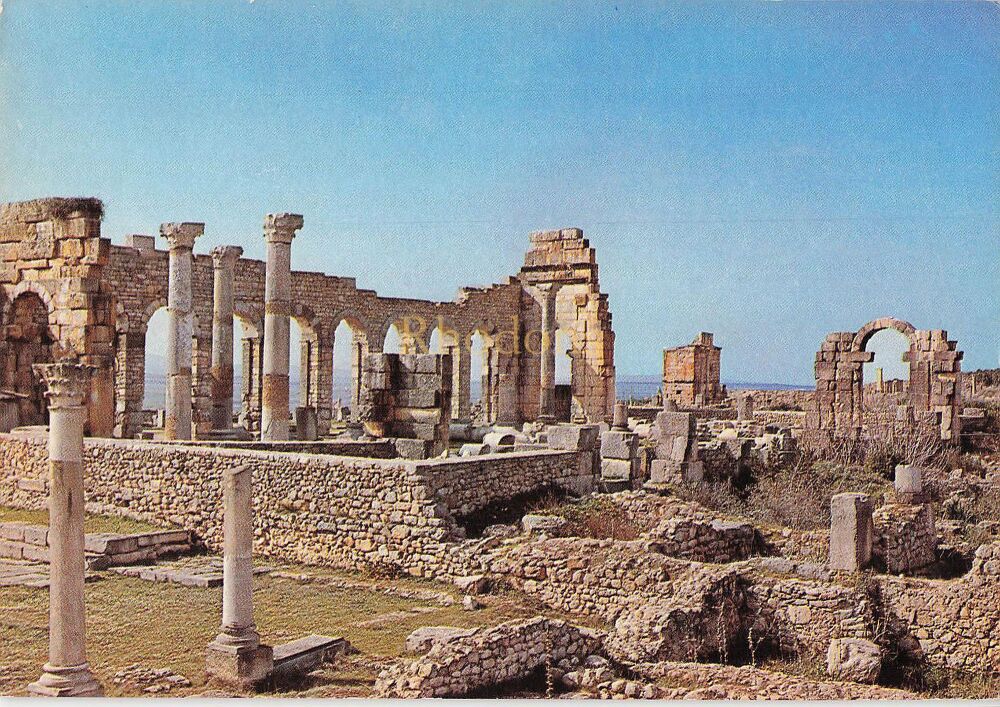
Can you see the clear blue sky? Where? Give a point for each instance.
(770, 172)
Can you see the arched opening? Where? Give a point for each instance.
(28, 340)
(154, 395)
(478, 371)
(448, 343)
(886, 378)
(393, 341)
(563, 376)
(346, 363)
(298, 380)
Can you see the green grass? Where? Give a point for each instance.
(93, 523)
(164, 625)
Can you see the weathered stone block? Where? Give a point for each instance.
(851, 531)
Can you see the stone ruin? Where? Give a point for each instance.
(934, 395)
(691, 373)
(408, 396)
(688, 592)
(66, 290)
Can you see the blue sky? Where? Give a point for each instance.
(767, 171)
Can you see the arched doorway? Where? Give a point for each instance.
(28, 340)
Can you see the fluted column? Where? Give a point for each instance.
(180, 327)
(67, 673)
(224, 260)
(547, 367)
(279, 230)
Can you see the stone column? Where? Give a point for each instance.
(180, 327)
(66, 674)
(547, 367)
(236, 655)
(851, 531)
(279, 230)
(224, 259)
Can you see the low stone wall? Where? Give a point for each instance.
(344, 511)
(467, 484)
(780, 399)
(641, 592)
(905, 539)
(957, 622)
(488, 657)
(782, 418)
(717, 541)
(799, 617)
(370, 449)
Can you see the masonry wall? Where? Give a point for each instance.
(344, 511)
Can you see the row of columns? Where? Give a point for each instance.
(279, 230)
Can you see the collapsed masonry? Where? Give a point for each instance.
(66, 291)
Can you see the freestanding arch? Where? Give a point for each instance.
(934, 393)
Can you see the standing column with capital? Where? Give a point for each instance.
(67, 673)
(180, 327)
(236, 655)
(279, 230)
(224, 259)
(547, 366)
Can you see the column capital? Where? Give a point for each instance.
(181, 235)
(225, 256)
(281, 228)
(67, 382)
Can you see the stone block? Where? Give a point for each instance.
(854, 660)
(851, 531)
(616, 470)
(306, 424)
(426, 637)
(909, 482)
(304, 654)
(240, 667)
(573, 437)
(618, 445)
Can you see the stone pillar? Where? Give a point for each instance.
(547, 367)
(620, 419)
(66, 674)
(279, 230)
(180, 327)
(851, 531)
(236, 655)
(224, 259)
(909, 483)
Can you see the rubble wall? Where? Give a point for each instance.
(345, 511)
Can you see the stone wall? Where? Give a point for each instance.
(905, 539)
(488, 657)
(54, 300)
(343, 511)
(408, 396)
(957, 622)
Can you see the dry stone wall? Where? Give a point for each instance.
(344, 511)
(488, 657)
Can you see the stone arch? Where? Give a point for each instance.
(933, 393)
(361, 339)
(876, 325)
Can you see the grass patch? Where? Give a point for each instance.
(92, 523)
(163, 625)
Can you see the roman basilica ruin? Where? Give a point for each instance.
(642, 547)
